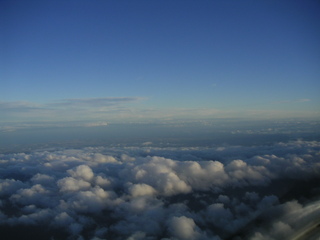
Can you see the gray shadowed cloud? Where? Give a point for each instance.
(261, 192)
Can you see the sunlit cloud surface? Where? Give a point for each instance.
(146, 192)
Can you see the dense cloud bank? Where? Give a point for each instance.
(261, 192)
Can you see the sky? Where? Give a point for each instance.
(159, 120)
(116, 61)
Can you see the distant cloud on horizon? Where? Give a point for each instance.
(92, 102)
(65, 109)
(124, 109)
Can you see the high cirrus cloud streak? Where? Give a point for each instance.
(141, 193)
(121, 109)
(66, 109)
(91, 102)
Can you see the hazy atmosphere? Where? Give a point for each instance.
(159, 120)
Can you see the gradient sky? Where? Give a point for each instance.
(120, 60)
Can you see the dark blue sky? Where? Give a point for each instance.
(159, 59)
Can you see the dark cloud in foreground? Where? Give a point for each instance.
(263, 192)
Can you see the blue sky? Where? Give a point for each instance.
(142, 60)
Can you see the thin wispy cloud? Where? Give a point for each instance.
(94, 102)
(93, 111)
(294, 101)
(303, 100)
(18, 106)
(66, 109)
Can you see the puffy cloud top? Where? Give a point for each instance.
(183, 228)
(162, 193)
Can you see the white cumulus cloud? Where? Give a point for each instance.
(262, 192)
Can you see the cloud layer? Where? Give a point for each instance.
(66, 109)
(22, 114)
(261, 192)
